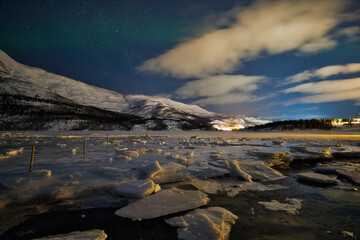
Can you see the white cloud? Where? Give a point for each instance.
(217, 85)
(329, 97)
(324, 72)
(221, 89)
(326, 86)
(317, 44)
(327, 91)
(267, 26)
(228, 98)
(353, 33)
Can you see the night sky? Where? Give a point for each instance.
(281, 59)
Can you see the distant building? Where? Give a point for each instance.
(346, 122)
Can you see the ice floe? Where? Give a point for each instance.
(352, 175)
(325, 168)
(303, 152)
(232, 187)
(205, 170)
(234, 165)
(257, 170)
(213, 223)
(252, 186)
(152, 169)
(273, 158)
(14, 152)
(291, 207)
(94, 234)
(137, 188)
(163, 203)
(41, 173)
(171, 172)
(316, 178)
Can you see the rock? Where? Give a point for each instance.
(163, 203)
(212, 224)
(316, 178)
(137, 188)
(94, 234)
(291, 207)
(152, 169)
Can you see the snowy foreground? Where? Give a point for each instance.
(195, 181)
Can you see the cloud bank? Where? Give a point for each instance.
(267, 26)
(327, 91)
(221, 89)
(324, 72)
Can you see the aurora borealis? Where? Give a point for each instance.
(228, 56)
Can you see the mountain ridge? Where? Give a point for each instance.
(31, 90)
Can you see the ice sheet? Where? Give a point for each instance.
(163, 203)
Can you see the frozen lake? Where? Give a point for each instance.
(243, 185)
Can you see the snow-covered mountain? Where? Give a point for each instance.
(31, 95)
(87, 95)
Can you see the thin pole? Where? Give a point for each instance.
(32, 159)
(84, 146)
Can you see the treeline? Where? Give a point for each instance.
(302, 124)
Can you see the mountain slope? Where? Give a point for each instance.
(87, 95)
(32, 98)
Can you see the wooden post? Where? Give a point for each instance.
(115, 141)
(32, 159)
(84, 146)
(107, 142)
